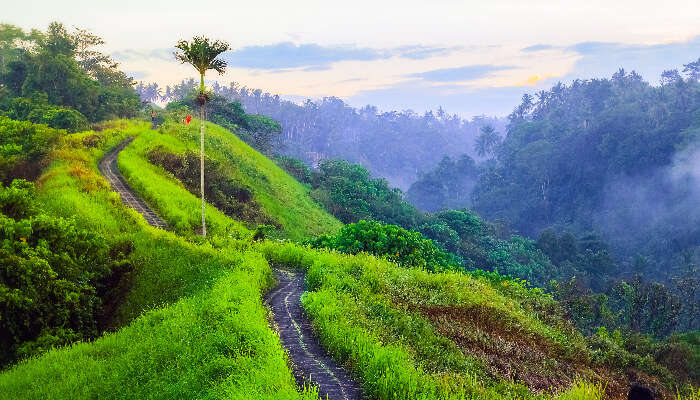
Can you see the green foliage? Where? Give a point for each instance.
(295, 168)
(280, 197)
(583, 391)
(216, 345)
(263, 131)
(64, 68)
(188, 322)
(201, 53)
(598, 155)
(38, 110)
(447, 186)
(404, 247)
(23, 147)
(391, 325)
(258, 131)
(193, 306)
(226, 194)
(347, 191)
(50, 273)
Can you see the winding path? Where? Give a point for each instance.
(108, 167)
(310, 362)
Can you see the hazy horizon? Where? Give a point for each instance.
(470, 59)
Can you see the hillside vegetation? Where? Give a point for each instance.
(206, 330)
(96, 303)
(190, 320)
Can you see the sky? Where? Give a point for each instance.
(470, 57)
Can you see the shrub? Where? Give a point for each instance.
(49, 276)
(23, 145)
(295, 168)
(404, 247)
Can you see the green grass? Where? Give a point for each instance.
(280, 196)
(583, 391)
(191, 324)
(180, 208)
(368, 314)
(214, 345)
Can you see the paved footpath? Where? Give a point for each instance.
(310, 362)
(108, 167)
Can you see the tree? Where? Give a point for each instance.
(201, 53)
(487, 141)
(670, 76)
(10, 36)
(692, 69)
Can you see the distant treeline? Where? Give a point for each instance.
(395, 145)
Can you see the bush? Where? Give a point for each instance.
(49, 277)
(229, 196)
(295, 168)
(37, 109)
(23, 145)
(404, 247)
(63, 118)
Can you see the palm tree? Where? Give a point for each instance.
(202, 53)
(487, 141)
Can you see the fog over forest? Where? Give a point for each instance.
(395, 145)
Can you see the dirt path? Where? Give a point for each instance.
(310, 362)
(108, 167)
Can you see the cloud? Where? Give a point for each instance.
(287, 56)
(136, 55)
(422, 96)
(602, 59)
(459, 74)
(422, 52)
(535, 79)
(352, 80)
(136, 74)
(538, 47)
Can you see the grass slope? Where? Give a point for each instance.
(196, 325)
(411, 334)
(280, 196)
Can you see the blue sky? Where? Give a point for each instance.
(467, 56)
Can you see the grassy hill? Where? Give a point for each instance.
(281, 198)
(186, 319)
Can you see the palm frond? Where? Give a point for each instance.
(201, 52)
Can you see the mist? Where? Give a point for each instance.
(657, 214)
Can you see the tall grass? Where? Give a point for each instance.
(280, 196)
(365, 312)
(191, 325)
(582, 390)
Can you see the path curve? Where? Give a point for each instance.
(108, 167)
(310, 362)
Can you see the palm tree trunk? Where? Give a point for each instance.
(201, 166)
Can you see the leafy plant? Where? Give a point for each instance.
(404, 247)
